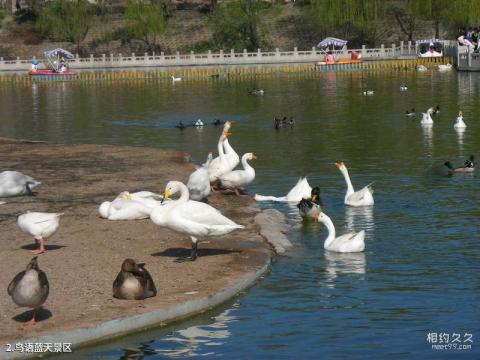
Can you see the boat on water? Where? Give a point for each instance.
(56, 63)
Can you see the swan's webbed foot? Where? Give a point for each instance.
(192, 257)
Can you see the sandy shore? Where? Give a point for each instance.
(85, 255)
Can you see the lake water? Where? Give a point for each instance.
(419, 275)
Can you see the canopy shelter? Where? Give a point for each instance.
(331, 42)
(55, 58)
(429, 48)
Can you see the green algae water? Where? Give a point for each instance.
(417, 285)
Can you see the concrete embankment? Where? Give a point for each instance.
(84, 256)
(222, 72)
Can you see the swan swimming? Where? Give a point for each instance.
(362, 197)
(459, 123)
(301, 190)
(346, 243)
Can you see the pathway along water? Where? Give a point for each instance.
(419, 272)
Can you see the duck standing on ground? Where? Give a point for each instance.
(238, 179)
(133, 282)
(190, 217)
(199, 181)
(40, 225)
(362, 197)
(311, 208)
(459, 123)
(29, 288)
(14, 183)
(346, 243)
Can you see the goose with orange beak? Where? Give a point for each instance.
(221, 164)
(237, 180)
(362, 197)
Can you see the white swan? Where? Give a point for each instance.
(130, 206)
(362, 197)
(444, 67)
(301, 190)
(199, 181)
(40, 225)
(176, 79)
(238, 179)
(426, 117)
(13, 183)
(459, 123)
(230, 154)
(421, 68)
(190, 217)
(346, 243)
(223, 163)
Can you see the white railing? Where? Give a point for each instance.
(407, 50)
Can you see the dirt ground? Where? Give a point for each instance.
(84, 256)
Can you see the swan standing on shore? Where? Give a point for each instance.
(459, 123)
(199, 181)
(238, 179)
(227, 157)
(30, 288)
(362, 197)
(40, 225)
(301, 190)
(13, 183)
(346, 243)
(190, 217)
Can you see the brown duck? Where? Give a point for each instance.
(133, 282)
(29, 288)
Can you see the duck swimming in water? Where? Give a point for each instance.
(403, 88)
(199, 123)
(459, 123)
(180, 126)
(368, 92)
(468, 166)
(30, 288)
(311, 208)
(410, 113)
(133, 282)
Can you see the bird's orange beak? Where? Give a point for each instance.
(339, 165)
(254, 157)
(227, 133)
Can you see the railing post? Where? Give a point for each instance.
(393, 50)
(111, 58)
(277, 53)
(232, 53)
(221, 56)
(91, 59)
(382, 50)
(409, 47)
(401, 47)
(192, 56)
(245, 54)
(259, 53)
(177, 56)
(364, 51)
(162, 56)
(295, 52)
(209, 55)
(104, 59)
(134, 59)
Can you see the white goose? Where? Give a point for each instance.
(230, 154)
(301, 190)
(362, 197)
(346, 243)
(221, 164)
(176, 79)
(199, 181)
(459, 123)
(426, 117)
(445, 67)
(421, 68)
(190, 217)
(13, 183)
(130, 206)
(238, 179)
(40, 225)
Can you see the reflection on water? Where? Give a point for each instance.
(337, 264)
(428, 138)
(187, 342)
(460, 134)
(360, 218)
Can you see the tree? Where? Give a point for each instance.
(237, 24)
(364, 18)
(63, 20)
(408, 16)
(146, 21)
